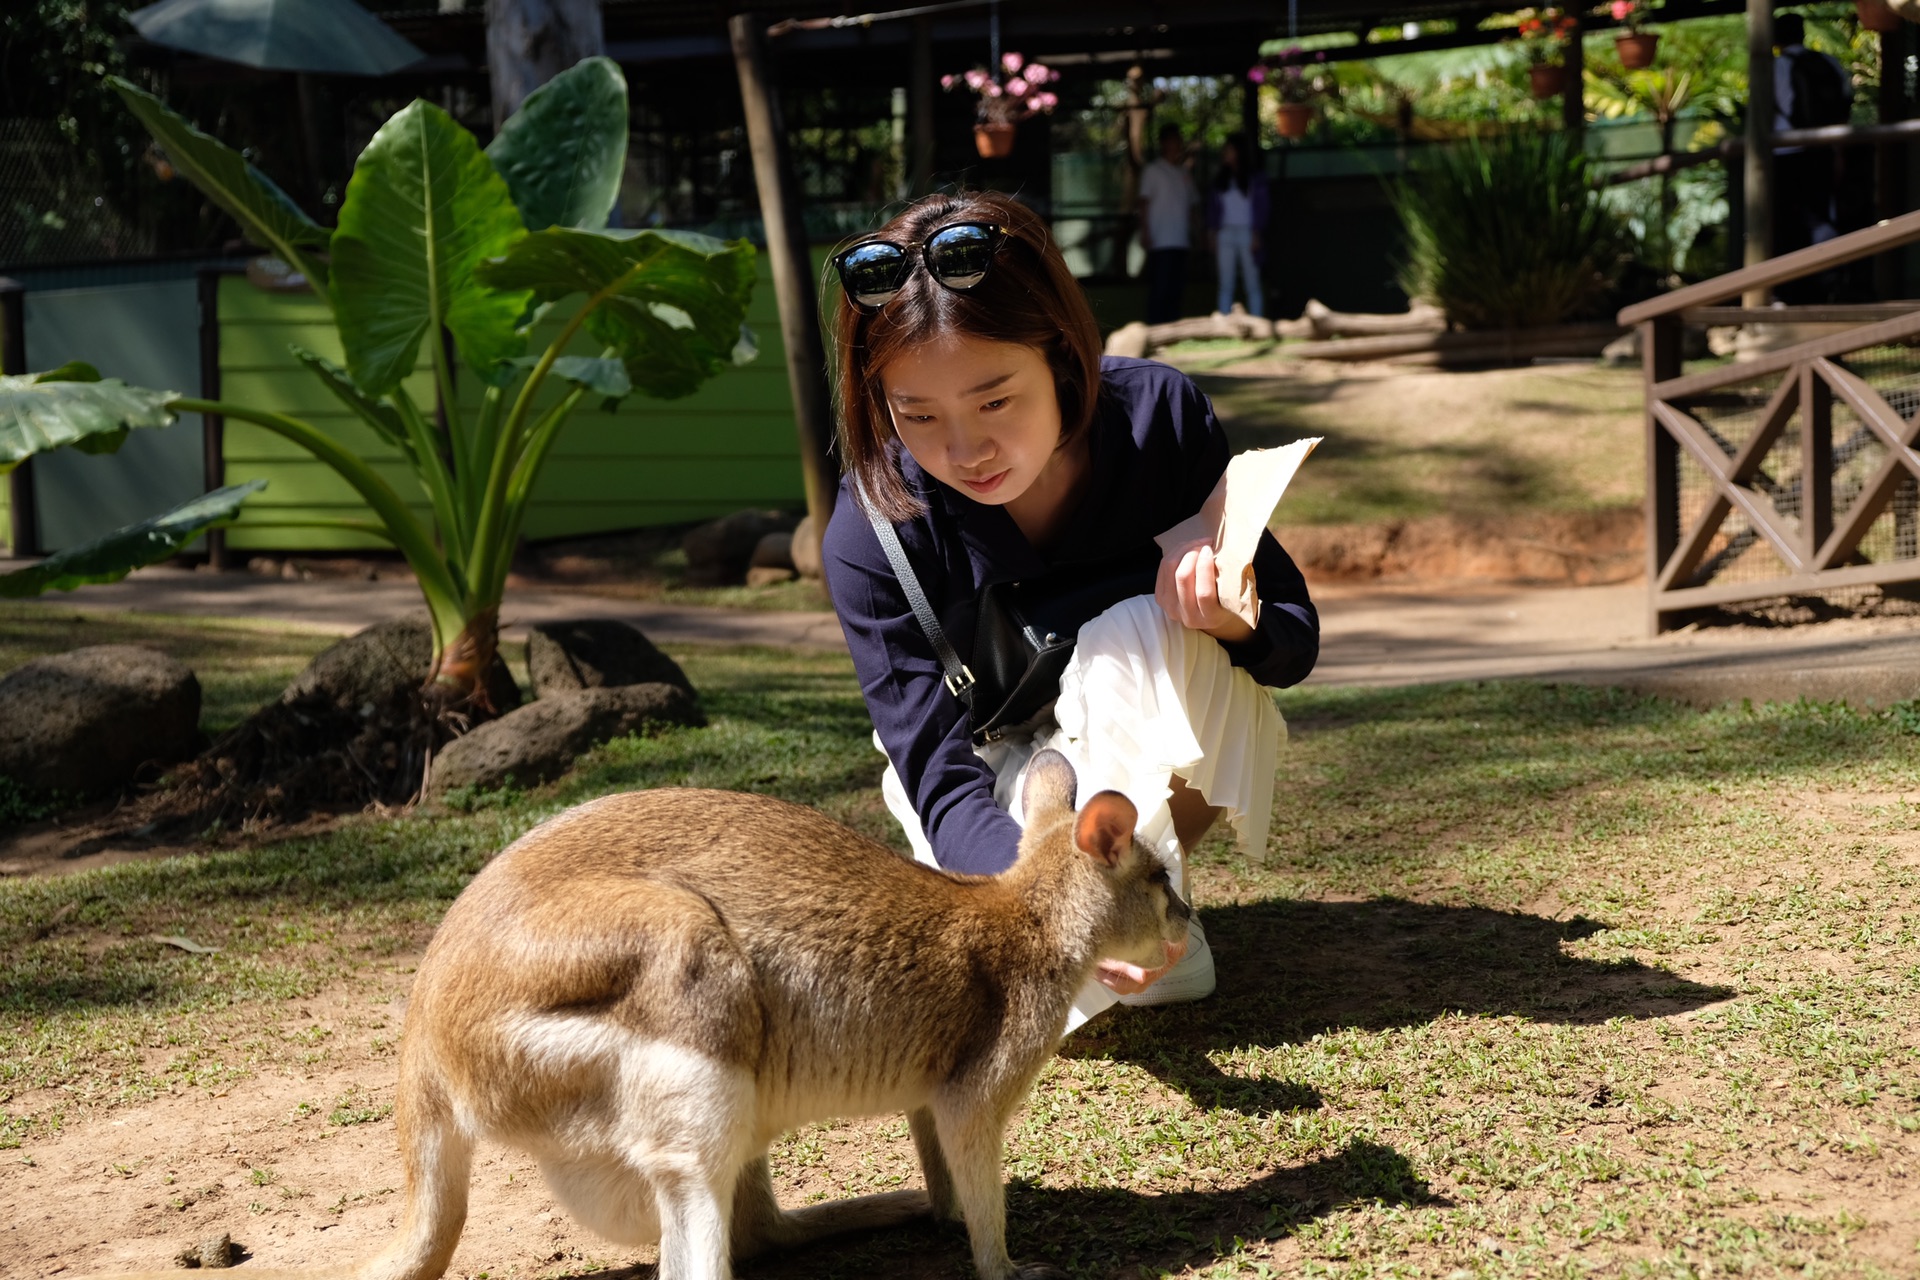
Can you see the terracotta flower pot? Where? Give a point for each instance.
(1547, 79)
(1293, 119)
(1637, 49)
(1877, 15)
(993, 140)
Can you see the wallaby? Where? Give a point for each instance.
(647, 990)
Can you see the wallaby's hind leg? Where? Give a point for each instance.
(933, 1165)
(760, 1225)
(438, 1158)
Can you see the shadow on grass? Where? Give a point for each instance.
(1093, 1231)
(1291, 969)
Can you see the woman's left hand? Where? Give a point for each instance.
(1188, 589)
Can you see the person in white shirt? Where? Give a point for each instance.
(1166, 203)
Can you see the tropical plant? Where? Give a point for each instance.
(1508, 232)
(1295, 75)
(1011, 94)
(1544, 33)
(436, 238)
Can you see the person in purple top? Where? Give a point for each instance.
(978, 417)
(1237, 210)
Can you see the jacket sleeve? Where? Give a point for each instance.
(922, 727)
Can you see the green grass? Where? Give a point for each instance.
(1533, 981)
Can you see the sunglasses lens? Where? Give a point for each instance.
(959, 256)
(871, 273)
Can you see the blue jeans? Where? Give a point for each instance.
(1233, 253)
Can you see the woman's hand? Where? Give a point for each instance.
(1125, 979)
(1188, 589)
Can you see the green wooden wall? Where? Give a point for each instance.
(729, 446)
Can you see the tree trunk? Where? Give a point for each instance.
(529, 42)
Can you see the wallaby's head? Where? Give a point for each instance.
(1122, 890)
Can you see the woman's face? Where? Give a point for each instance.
(1230, 155)
(981, 417)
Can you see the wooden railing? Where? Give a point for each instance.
(1793, 473)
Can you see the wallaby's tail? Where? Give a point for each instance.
(438, 1159)
(760, 1224)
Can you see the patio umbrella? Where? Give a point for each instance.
(326, 37)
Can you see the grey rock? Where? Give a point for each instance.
(216, 1251)
(775, 551)
(373, 667)
(719, 551)
(805, 550)
(596, 653)
(83, 723)
(539, 742)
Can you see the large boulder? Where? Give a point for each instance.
(539, 742)
(804, 550)
(84, 723)
(370, 669)
(596, 653)
(719, 551)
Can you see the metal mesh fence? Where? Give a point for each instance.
(51, 209)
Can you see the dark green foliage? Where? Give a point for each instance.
(1509, 233)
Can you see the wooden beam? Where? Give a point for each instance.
(1865, 575)
(1896, 433)
(23, 537)
(1816, 460)
(1740, 470)
(1836, 344)
(213, 428)
(792, 273)
(1714, 462)
(1757, 170)
(1843, 313)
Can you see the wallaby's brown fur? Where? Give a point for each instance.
(649, 989)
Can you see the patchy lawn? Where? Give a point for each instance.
(1402, 443)
(1533, 981)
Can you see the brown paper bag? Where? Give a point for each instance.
(1233, 516)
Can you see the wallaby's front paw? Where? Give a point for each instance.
(1037, 1271)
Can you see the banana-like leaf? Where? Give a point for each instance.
(67, 407)
(563, 152)
(115, 555)
(423, 209)
(383, 418)
(674, 305)
(265, 212)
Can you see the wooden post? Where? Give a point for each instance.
(1816, 461)
(1660, 358)
(24, 537)
(1758, 177)
(213, 427)
(792, 274)
(920, 109)
(1573, 97)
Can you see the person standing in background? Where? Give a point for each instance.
(1166, 220)
(1236, 213)
(1810, 91)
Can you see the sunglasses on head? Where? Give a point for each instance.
(957, 255)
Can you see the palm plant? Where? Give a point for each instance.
(435, 237)
(1508, 232)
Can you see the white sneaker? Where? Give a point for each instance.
(1191, 979)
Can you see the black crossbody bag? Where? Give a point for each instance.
(1024, 631)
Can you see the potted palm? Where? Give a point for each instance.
(1636, 46)
(1014, 93)
(1543, 34)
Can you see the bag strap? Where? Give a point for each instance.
(959, 680)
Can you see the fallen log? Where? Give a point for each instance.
(1500, 346)
(1328, 323)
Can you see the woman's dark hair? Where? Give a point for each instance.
(1028, 299)
(1234, 174)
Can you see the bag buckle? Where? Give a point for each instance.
(961, 684)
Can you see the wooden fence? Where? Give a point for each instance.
(1793, 473)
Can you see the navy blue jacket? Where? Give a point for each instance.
(1157, 451)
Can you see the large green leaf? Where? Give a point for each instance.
(115, 555)
(424, 208)
(265, 212)
(72, 405)
(563, 152)
(383, 418)
(673, 302)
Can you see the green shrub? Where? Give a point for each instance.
(1509, 233)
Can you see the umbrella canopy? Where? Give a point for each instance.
(328, 37)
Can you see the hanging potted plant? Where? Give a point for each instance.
(1543, 34)
(1297, 87)
(1877, 15)
(1005, 98)
(1636, 46)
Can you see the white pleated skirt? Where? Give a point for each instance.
(1143, 698)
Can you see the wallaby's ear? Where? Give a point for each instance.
(1050, 784)
(1105, 827)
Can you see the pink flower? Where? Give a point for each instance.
(1012, 62)
(1257, 74)
(1017, 87)
(1621, 8)
(947, 82)
(992, 90)
(1048, 101)
(977, 79)
(1038, 73)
